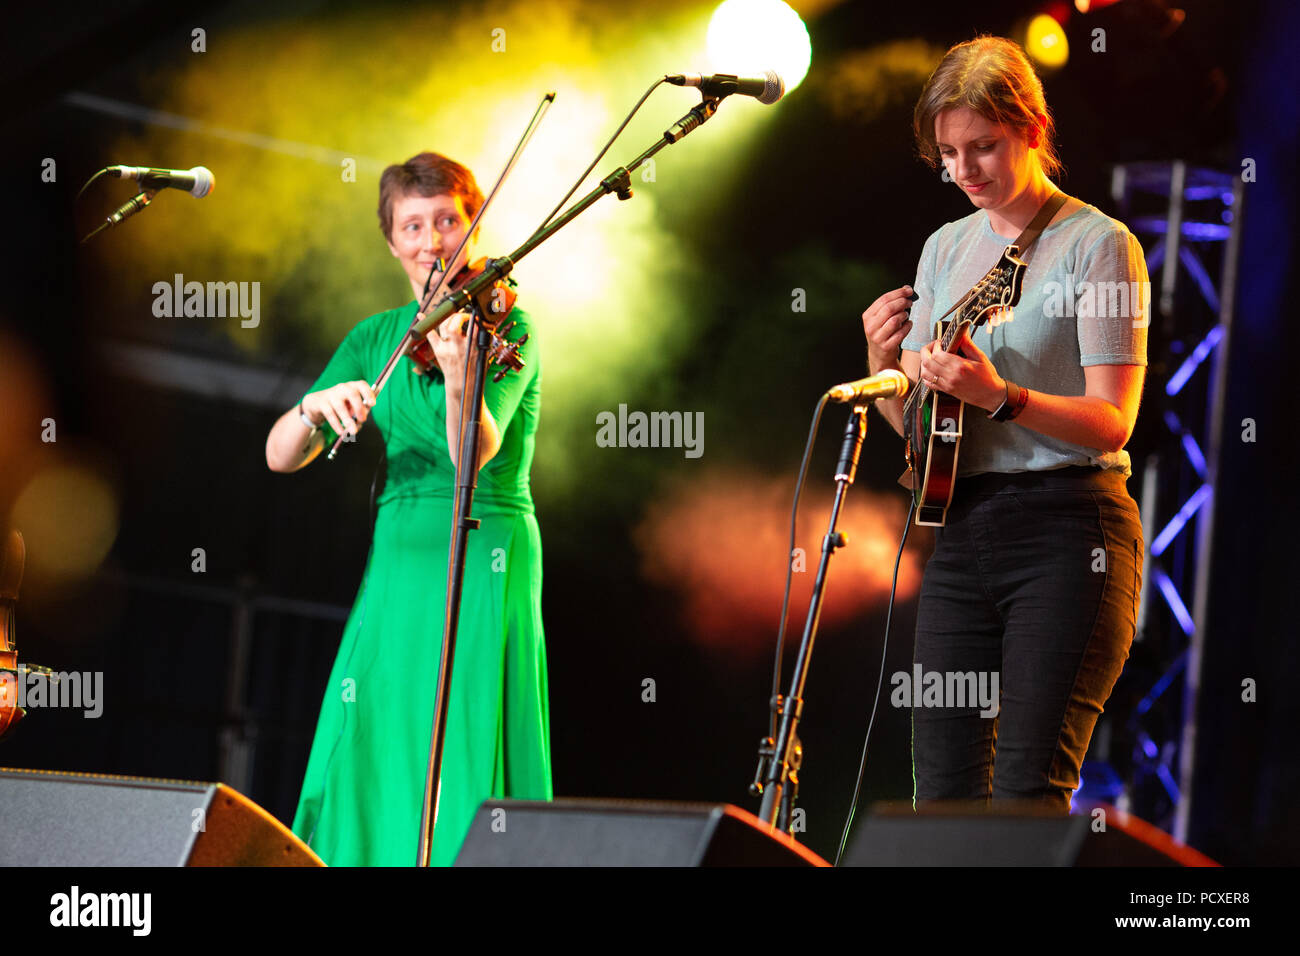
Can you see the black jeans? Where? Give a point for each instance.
(1034, 579)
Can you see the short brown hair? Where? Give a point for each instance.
(427, 174)
(990, 76)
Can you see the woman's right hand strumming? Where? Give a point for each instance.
(345, 406)
(886, 324)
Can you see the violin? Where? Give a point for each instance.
(12, 558)
(494, 305)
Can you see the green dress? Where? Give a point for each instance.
(363, 791)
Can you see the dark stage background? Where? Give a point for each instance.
(657, 565)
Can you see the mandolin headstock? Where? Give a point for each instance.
(994, 298)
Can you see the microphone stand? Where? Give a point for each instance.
(619, 182)
(779, 759)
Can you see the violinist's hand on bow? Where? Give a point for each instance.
(450, 344)
(345, 406)
(965, 373)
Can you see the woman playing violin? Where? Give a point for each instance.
(363, 791)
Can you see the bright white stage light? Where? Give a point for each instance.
(749, 36)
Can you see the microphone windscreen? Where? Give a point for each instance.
(203, 181)
(774, 89)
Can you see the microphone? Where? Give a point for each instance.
(767, 89)
(891, 383)
(198, 182)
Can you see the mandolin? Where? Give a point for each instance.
(932, 420)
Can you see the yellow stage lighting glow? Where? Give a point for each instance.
(750, 36)
(1045, 42)
(351, 102)
(68, 514)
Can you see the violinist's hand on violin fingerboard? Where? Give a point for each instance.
(450, 343)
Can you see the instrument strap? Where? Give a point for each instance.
(1026, 238)
(1023, 242)
(1040, 221)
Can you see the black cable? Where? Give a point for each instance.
(862, 765)
(460, 430)
(587, 172)
(89, 181)
(574, 188)
(789, 563)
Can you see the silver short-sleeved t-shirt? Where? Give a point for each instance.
(1085, 301)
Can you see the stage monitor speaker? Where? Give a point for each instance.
(1008, 834)
(624, 833)
(80, 819)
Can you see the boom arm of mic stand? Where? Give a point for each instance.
(615, 182)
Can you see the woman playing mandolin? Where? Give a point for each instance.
(1038, 561)
(362, 795)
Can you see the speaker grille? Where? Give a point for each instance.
(58, 819)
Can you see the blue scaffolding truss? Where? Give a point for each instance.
(1181, 213)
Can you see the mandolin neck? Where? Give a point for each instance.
(923, 391)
